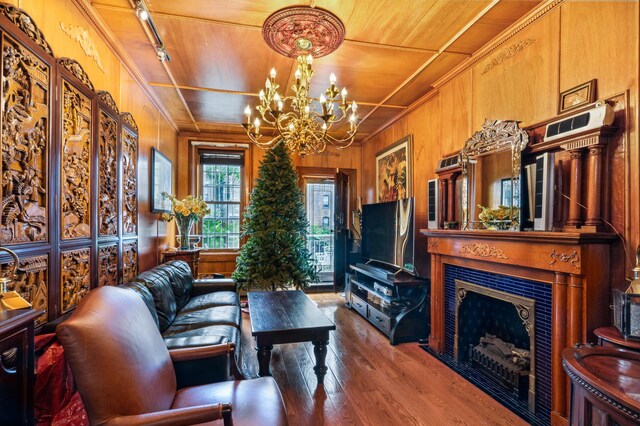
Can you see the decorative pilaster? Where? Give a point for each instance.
(575, 212)
(443, 202)
(559, 338)
(451, 200)
(594, 193)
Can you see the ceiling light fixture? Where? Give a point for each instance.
(301, 122)
(143, 14)
(141, 11)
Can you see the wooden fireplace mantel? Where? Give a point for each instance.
(575, 264)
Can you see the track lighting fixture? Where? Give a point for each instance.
(141, 11)
(143, 14)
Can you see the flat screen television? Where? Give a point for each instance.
(387, 233)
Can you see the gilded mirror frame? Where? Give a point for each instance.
(494, 137)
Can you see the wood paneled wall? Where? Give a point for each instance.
(518, 76)
(71, 34)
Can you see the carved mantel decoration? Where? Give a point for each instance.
(82, 37)
(572, 258)
(481, 250)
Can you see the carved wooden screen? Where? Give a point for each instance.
(129, 175)
(25, 144)
(75, 174)
(108, 265)
(65, 207)
(129, 261)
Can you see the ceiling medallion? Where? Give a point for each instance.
(303, 30)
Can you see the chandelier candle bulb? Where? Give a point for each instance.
(273, 73)
(343, 94)
(332, 80)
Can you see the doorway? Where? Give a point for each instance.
(320, 207)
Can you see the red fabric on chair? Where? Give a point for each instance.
(56, 401)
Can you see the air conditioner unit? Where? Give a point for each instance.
(544, 189)
(601, 115)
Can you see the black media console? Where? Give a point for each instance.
(392, 299)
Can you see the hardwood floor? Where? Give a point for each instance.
(371, 382)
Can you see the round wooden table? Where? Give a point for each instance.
(611, 337)
(605, 385)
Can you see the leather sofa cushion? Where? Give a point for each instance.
(194, 341)
(231, 333)
(254, 402)
(210, 300)
(147, 298)
(220, 315)
(158, 284)
(180, 279)
(208, 285)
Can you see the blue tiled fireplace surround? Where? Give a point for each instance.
(538, 291)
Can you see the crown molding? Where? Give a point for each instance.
(96, 21)
(499, 40)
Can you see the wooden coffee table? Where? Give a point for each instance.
(288, 317)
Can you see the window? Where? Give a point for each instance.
(325, 201)
(221, 189)
(325, 221)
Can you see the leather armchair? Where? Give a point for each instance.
(125, 375)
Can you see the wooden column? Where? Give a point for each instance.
(575, 210)
(436, 338)
(443, 202)
(559, 339)
(594, 190)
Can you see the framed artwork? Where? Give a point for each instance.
(161, 181)
(577, 96)
(394, 171)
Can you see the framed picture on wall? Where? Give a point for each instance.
(394, 171)
(577, 96)
(161, 181)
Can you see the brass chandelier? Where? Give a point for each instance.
(301, 122)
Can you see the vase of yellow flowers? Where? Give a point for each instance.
(186, 212)
(501, 218)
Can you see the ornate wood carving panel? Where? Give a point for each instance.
(129, 261)
(108, 176)
(31, 282)
(25, 137)
(129, 182)
(76, 163)
(75, 278)
(108, 265)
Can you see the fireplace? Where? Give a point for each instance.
(495, 334)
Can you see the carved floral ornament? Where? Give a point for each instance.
(23, 21)
(507, 53)
(82, 37)
(571, 258)
(108, 99)
(483, 250)
(76, 70)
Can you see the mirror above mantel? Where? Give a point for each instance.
(491, 163)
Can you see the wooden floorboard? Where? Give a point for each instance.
(370, 382)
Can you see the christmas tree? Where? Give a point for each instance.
(275, 254)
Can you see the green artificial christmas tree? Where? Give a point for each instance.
(275, 254)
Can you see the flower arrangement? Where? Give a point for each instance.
(185, 212)
(500, 218)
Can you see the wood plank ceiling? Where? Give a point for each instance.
(394, 50)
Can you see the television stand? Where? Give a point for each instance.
(392, 299)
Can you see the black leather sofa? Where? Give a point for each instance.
(194, 313)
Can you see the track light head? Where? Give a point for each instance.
(141, 11)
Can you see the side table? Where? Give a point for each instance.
(604, 385)
(17, 365)
(191, 256)
(610, 337)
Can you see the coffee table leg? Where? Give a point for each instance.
(264, 359)
(320, 351)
